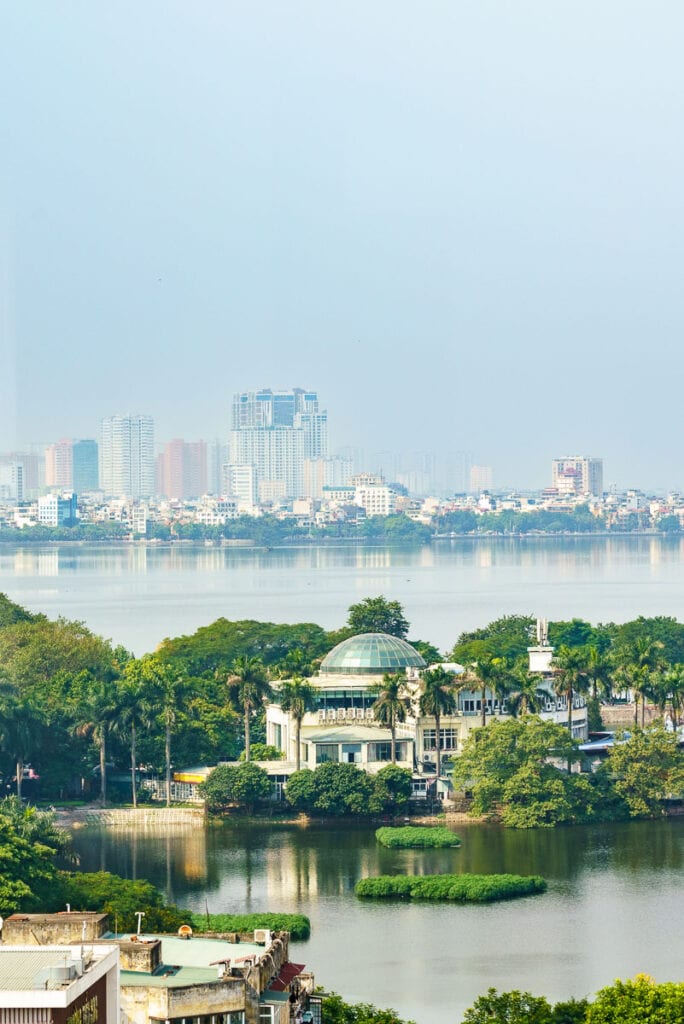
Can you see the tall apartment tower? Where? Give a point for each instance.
(127, 464)
(84, 457)
(182, 469)
(59, 465)
(578, 474)
(274, 432)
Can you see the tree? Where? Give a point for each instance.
(333, 788)
(526, 694)
(487, 674)
(163, 684)
(335, 1011)
(134, 711)
(508, 1008)
(507, 637)
(640, 1001)
(28, 870)
(94, 711)
(570, 675)
(391, 706)
(644, 769)
(245, 784)
(297, 696)
(378, 615)
(508, 766)
(637, 661)
(438, 698)
(392, 790)
(22, 728)
(248, 679)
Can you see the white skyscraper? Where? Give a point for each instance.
(274, 432)
(127, 461)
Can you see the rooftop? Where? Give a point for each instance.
(187, 961)
(24, 969)
(371, 654)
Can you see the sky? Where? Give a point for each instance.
(461, 222)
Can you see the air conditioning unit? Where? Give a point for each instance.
(262, 936)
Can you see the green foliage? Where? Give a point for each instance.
(213, 649)
(412, 837)
(28, 874)
(243, 785)
(11, 613)
(523, 1008)
(298, 925)
(507, 637)
(378, 615)
(262, 752)
(120, 898)
(640, 1001)
(457, 888)
(506, 766)
(644, 769)
(669, 524)
(335, 1011)
(392, 790)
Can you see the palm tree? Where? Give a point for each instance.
(248, 678)
(165, 684)
(95, 715)
(392, 705)
(134, 711)
(637, 661)
(297, 696)
(438, 698)
(526, 694)
(487, 674)
(21, 731)
(600, 669)
(571, 675)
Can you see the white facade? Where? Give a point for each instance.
(37, 982)
(242, 486)
(578, 474)
(127, 458)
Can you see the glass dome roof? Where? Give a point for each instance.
(371, 654)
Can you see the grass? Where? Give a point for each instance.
(417, 836)
(298, 925)
(457, 888)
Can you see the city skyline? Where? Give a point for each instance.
(451, 220)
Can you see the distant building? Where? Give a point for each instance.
(274, 432)
(12, 480)
(59, 465)
(57, 510)
(182, 469)
(578, 474)
(127, 463)
(373, 495)
(84, 458)
(481, 479)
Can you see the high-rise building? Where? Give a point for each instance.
(127, 464)
(578, 474)
(182, 469)
(274, 432)
(59, 465)
(481, 479)
(84, 460)
(12, 480)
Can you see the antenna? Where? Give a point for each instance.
(139, 914)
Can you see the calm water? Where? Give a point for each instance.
(615, 905)
(138, 595)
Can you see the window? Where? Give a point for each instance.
(327, 752)
(351, 753)
(447, 739)
(383, 751)
(265, 1013)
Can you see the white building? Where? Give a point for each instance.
(127, 457)
(274, 432)
(578, 474)
(372, 494)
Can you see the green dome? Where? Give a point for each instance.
(371, 654)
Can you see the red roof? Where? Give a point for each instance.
(288, 972)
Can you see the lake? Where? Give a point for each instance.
(614, 906)
(139, 594)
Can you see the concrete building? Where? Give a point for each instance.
(84, 458)
(175, 979)
(57, 510)
(182, 469)
(127, 462)
(578, 474)
(373, 495)
(59, 984)
(274, 432)
(481, 479)
(59, 465)
(12, 481)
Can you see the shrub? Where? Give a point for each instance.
(120, 898)
(457, 888)
(297, 925)
(411, 836)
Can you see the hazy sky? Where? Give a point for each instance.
(461, 222)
